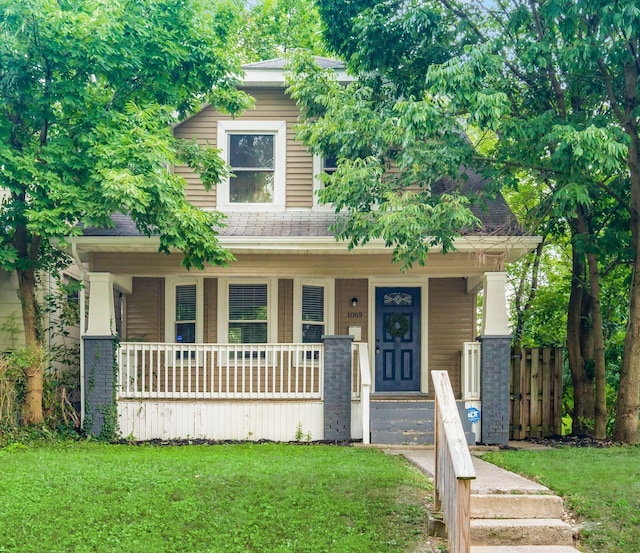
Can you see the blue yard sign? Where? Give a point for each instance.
(473, 414)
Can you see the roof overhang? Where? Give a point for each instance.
(510, 247)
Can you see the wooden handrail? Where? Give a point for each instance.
(454, 468)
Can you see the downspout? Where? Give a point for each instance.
(82, 323)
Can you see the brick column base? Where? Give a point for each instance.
(100, 375)
(337, 387)
(494, 388)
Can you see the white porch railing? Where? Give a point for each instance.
(454, 469)
(471, 371)
(220, 371)
(362, 385)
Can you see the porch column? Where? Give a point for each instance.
(337, 387)
(100, 363)
(495, 354)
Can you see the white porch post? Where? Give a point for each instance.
(102, 315)
(495, 358)
(495, 321)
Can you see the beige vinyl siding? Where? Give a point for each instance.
(145, 310)
(348, 265)
(210, 323)
(451, 316)
(346, 289)
(10, 312)
(285, 311)
(270, 105)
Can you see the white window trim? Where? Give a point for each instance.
(223, 306)
(170, 307)
(317, 183)
(329, 286)
(279, 130)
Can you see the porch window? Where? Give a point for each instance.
(248, 313)
(256, 154)
(313, 323)
(185, 320)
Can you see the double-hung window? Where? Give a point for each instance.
(256, 154)
(313, 302)
(248, 314)
(326, 165)
(185, 320)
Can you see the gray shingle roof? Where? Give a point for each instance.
(494, 213)
(279, 63)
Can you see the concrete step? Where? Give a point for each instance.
(516, 506)
(511, 532)
(524, 549)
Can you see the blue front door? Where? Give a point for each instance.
(397, 348)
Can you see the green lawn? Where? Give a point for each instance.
(92, 497)
(601, 485)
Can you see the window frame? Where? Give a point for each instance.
(329, 305)
(279, 131)
(223, 307)
(170, 307)
(318, 169)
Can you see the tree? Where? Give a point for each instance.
(547, 90)
(89, 92)
(272, 28)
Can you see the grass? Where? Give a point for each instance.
(602, 486)
(92, 497)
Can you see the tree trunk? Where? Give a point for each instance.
(626, 425)
(597, 334)
(578, 344)
(32, 407)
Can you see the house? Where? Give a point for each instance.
(298, 337)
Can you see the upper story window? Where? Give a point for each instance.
(256, 153)
(322, 164)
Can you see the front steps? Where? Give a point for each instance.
(509, 514)
(402, 421)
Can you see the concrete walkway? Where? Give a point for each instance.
(490, 479)
(509, 513)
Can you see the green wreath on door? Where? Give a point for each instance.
(397, 325)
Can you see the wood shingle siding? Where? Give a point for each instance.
(270, 105)
(145, 310)
(451, 316)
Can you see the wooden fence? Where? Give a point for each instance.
(536, 393)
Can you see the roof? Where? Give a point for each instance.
(270, 73)
(279, 63)
(496, 217)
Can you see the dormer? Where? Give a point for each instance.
(272, 171)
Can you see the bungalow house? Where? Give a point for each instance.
(299, 337)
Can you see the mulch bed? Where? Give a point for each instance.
(571, 441)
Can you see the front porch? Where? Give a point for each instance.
(275, 392)
(369, 381)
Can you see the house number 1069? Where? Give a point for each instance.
(354, 315)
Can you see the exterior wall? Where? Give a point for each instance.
(210, 323)
(451, 322)
(270, 104)
(346, 289)
(10, 312)
(347, 265)
(246, 420)
(285, 311)
(145, 311)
